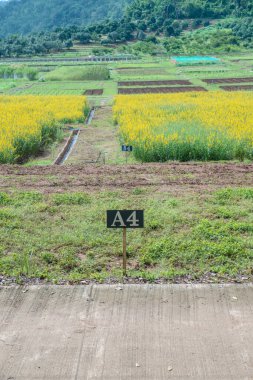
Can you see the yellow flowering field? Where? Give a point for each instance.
(27, 123)
(191, 126)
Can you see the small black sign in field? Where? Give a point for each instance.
(155, 83)
(126, 148)
(238, 88)
(228, 80)
(94, 92)
(125, 219)
(158, 90)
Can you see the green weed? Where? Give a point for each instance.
(71, 199)
(233, 194)
(39, 239)
(5, 199)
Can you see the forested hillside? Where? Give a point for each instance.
(175, 26)
(181, 9)
(158, 15)
(26, 16)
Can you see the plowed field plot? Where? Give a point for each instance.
(159, 90)
(133, 68)
(237, 88)
(94, 92)
(142, 71)
(227, 80)
(155, 83)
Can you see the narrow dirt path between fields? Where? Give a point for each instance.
(97, 142)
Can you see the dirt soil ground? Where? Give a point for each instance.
(155, 83)
(158, 90)
(237, 88)
(94, 92)
(172, 176)
(228, 80)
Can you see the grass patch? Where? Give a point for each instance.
(234, 194)
(71, 199)
(64, 237)
(79, 73)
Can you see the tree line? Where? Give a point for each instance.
(147, 21)
(28, 16)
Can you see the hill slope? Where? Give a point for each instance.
(28, 16)
(231, 20)
(25, 16)
(178, 26)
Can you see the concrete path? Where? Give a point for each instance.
(126, 332)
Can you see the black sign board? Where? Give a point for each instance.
(125, 219)
(127, 148)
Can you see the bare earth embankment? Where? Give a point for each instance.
(173, 177)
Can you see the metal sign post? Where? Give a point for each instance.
(125, 219)
(127, 149)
